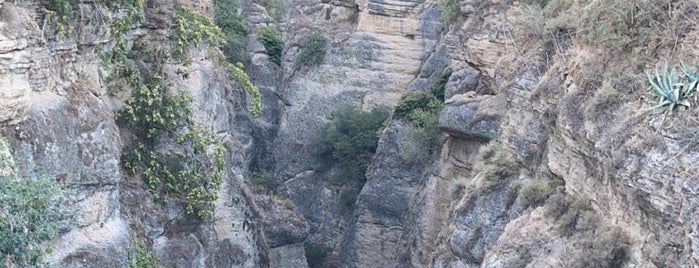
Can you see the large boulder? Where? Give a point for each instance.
(471, 117)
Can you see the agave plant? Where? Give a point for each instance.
(692, 78)
(672, 90)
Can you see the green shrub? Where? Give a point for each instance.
(422, 110)
(414, 101)
(316, 254)
(312, 50)
(233, 28)
(493, 165)
(349, 141)
(423, 137)
(451, 10)
(30, 209)
(674, 89)
(272, 39)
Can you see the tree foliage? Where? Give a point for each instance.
(349, 141)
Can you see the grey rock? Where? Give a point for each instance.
(383, 204)
(281, 222)
(467, 121)
(289, 256)
(462, 81)
(432, 69)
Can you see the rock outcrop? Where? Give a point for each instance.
(591, 178)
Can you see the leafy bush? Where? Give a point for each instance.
(423, 138)
(349, 141)
(233, 28)
(272, 39)
(493, 165)
(416, 101)
(674, 89)
(599, 245)
(30, 209)
(316, 254)
(312, 50)
(450, 10)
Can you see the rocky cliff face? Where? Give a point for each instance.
(59, 117)
(546, 156)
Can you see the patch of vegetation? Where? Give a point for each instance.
(274, 43)
(116, 60)
(437, 90)
(262, 180)
(30, 209)
(140, 256)
(598, 244)
(422, 111)
(617, 24)
(423, 138)
(316, 254)
(416, 101)
(349, 141)
(244, 80)
(312, 50)
(674, 89)
(194, 173)
(451, 10)
(234, 29)
(535, 193)
(192, 29)
(191, 170)
(493, 165)
(604, 247)
(62, 11)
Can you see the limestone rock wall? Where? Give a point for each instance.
(59, 118)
